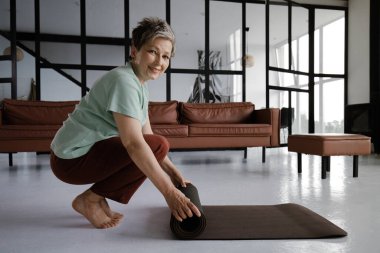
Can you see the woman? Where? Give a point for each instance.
(108, 140)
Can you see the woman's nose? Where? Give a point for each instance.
(159, 59)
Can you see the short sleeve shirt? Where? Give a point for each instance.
(119, 91)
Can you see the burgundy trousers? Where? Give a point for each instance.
(108, 167)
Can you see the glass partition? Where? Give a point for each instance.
(157, 89)
(144, 8)
(187, 88)
(24, 15)
(105, 18)
(329, 105)
(278, 35)
(255, 75)
(55, 87)
(300, 39)
(189, 28)
(225, 35)
(60, 17)
(289, 80)
(105, 55)
(329, 41)
(59, 52)
(93, 75)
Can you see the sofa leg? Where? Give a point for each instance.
(263, 155)
(356, 166)
(245, 153)
(10, 159)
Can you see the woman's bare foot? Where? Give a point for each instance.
(109, 212)
(91, 206)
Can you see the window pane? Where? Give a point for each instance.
(105, 55)
(329, 105)
(140, 9)
(255, 77)
(289, 80)
(280, 99)
(60, 17)
(300, 39)
(187, 87)
(93, 75)
(24, 15)
(61, 52)
(55, 87)
(105, 18)
(300, 102)
(5, 16)
(278, 36)
(226, 88)
(330, 41)
(157, 89)
(189, 28)
(225, 35)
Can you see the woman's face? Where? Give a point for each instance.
(152, 59)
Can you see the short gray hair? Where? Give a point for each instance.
(151, 28)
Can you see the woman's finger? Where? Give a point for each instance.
(194, 209)
(176, 216)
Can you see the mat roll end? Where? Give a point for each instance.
(191, 227)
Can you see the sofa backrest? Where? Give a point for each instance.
(222, 113)
(22, 112)
(163, 113)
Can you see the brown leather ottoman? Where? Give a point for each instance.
(327, 145)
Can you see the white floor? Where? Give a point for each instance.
(35, 212)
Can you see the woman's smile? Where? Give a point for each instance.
(152, 59)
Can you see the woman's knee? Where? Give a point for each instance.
(159, 145)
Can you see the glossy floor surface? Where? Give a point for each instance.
(36, 214)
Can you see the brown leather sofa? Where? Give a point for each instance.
(29, 126)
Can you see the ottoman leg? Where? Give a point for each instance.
(324, 166)
(328, 163)
(10, 159)
(356, 166)
(299, 162)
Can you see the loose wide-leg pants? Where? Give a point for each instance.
(108, 167)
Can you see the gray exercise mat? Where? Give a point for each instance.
(283, 221)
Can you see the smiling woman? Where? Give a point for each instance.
(108, 140)
(152, 60)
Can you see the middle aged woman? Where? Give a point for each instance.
(108, 141)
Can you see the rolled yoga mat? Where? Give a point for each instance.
(283, 221)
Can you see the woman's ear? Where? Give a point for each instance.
(133, 52)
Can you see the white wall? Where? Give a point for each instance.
(358, 50)
(25, 74)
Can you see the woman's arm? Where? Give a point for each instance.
(166, 164)
(141, 154)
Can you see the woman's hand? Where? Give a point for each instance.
(180, 206)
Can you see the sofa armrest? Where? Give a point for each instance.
(269, 116)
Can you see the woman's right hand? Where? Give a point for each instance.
(180, 205)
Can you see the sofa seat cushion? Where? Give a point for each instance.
(27, 132)
(23, 112)
(230, 130)
(219, 113)
(163, 112)
(171, 130)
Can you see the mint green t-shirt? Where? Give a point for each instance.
(120, 91)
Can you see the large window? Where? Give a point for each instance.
(292, 82)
